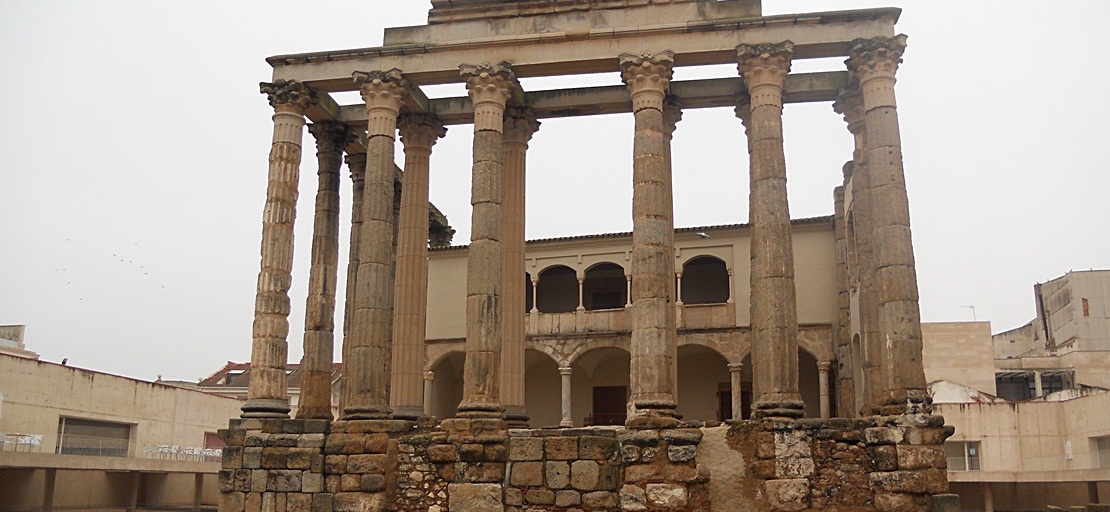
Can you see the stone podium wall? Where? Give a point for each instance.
(478, 465)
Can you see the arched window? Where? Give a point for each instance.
(705, 281)
(557, 290)
(605, 287)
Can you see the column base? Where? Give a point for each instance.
(516, 417)
(305, 413)
(905, 401)
(778, 407)
(364, 413)
(265, 408)
(481, 409)
(407, 412)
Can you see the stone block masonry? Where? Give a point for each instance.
(884, 464)
(877, 464)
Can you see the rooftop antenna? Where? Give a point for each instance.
(972, 308)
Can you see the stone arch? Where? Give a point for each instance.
(705, 280)
(596, 375)
(604, 287)
(447, 384)
(557, 290)
(808, 382)
(542, 389)
(733, 345)
(704, 383)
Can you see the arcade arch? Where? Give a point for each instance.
(705, 281)
(557, 290)
(704, 384)
(605, 287)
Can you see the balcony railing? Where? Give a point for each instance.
(108, 447)
(74, 444)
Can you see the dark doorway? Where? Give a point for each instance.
(610, 405)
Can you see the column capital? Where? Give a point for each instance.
(520, 124)
(877, 56)
(356, 162)
(384, 92)
(672, 114)
(849, 103)
(331, 136)
(743, 108)
(289, 95)
(420, 130)
(764, 63)
(735, 367)
(647, 76)
(429, 375)
(824, 366)
(566, 370)
(490, 87)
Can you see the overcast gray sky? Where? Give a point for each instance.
(133, 147)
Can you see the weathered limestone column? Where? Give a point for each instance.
(429, 381)
(736, 375)
(672, 114)
(1038, 386)
(410, 293)
(520, 124)
(565, 373)
(823, 368)
(266, 395)
(366, 370)
(849, 104)
(875, 62)
(490, 88)
(653, 318)
(319, 316)
(774, 315)
(842, 329)
(356, 164)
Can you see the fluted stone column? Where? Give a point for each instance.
(565, 387)
(736, 376)
(319, 319)
(875, 62)
(490, 88)
(823, 368)
(672, 114)
(418, 134)
(366, 370)
(849, 103)
(842, 332)
(266, 394)
(653, 388)
(356, 164)
(774, 315)
(520, 124)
